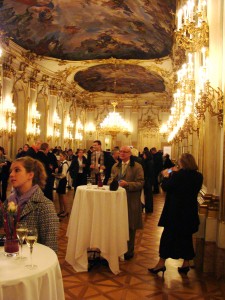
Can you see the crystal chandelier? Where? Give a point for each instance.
(114, 123)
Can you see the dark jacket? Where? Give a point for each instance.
(31, 152)
(168, 163)
(180, 211)
(148, 168)
(74, 167)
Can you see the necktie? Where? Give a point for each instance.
(124, 167)
(97, 158)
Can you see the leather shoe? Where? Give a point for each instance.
(128, 256)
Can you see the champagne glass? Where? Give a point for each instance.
(31, 239)
(21, 231)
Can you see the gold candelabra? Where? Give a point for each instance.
(210, 100)
(192, 31)
(191, 37)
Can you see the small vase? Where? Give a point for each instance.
(11, 247)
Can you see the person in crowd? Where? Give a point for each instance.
(148, 167)
(116, 156)
(100, 160)
(70, 155)
(70, 158)
(135, 154)
(145, 149)
(23, 152)
(131, 177)
(158, 166)
(18, 152)
(33, 150)
(28, 179)
(85, 153)
(167, 163)
(61, 177)
(89, 153)
(53, 161)
(78, 170)
(4, 173)
(180, 213)
(42, 156)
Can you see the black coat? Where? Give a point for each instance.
(148, 172)
(74, 167)
(180, 211)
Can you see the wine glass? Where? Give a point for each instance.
(31, 239)
(89, 182)
(21, 231)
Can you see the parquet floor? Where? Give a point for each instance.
(134, 281)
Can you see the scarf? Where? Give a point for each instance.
(21, 200)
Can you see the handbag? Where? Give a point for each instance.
(114, 185)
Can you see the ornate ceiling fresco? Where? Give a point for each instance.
(93, 30)
(119, 79)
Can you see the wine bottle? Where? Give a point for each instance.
(100, 183)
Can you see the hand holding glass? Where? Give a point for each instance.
(21, 231)
(31, 239)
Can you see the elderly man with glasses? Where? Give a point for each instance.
(131, 177)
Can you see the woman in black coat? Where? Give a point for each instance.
(180, 213)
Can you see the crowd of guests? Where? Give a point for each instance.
(37, 170)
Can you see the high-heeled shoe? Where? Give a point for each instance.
(64, 215)
(156, 271)
(60, 213)
(183, 270)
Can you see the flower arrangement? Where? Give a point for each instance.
(11, 215)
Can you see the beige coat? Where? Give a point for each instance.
(135, 177)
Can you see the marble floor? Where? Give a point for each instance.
(134, 281)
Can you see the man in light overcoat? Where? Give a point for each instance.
(131, 177)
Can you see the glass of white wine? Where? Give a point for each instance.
(31, 239)
(21, 231)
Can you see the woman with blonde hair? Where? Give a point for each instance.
(180, 213)
(28, 178)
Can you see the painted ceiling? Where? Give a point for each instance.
(92, 30)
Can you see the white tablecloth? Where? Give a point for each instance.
(19, 282)
(99, 219)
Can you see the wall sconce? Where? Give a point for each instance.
(212, 100)
(192, 28)
(79, 130)
(163, 130)
(34, 129)
(33, 132)
(106, 142)
(68, 136)
(90, 128)
(49, 137)
(56, 124)
(7, 111)
(78, 136)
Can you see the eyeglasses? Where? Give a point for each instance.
(124, 151)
